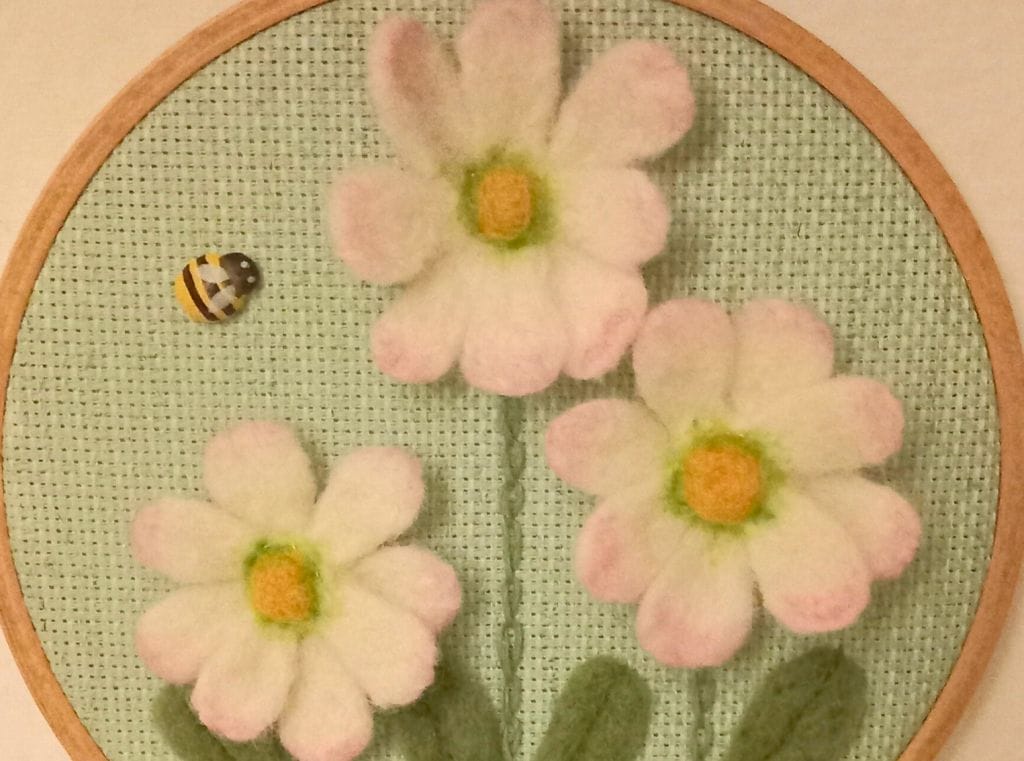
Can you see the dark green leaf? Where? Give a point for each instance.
(455, 720)
(602, 714)
(808, 709)
(192, 741)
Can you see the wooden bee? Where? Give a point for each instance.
(211, 288)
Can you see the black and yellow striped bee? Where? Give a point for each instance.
(212, 287)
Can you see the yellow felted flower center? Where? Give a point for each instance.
(721, 482)
(283, 584)
(504, 203)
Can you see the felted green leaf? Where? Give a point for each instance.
(808, 709)
(192, 741)
(602, 714)
(455, 720)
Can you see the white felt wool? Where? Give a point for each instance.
(388, 651)
(416, 94)
(616, 215)
(190, 541)
(372, 496)
(699, 610)
(683, 360)
(510, 73)
(602, 307)
(884, 525)
(653, 107)
(327, 717)
(811, 574)
(376, 220)
(259, 472)
(598, 445)
(780, 347)
(414, 579)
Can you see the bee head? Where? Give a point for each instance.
(244, 273)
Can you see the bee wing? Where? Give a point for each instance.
(211, 273)
(223, 297)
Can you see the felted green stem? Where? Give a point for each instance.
(511, 502)
(702, 688)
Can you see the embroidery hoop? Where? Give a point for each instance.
(752, 18)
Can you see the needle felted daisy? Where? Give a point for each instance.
(517, 231)
(294, 610)
(739, 470)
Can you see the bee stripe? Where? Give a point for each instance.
(193, 293)
(207, 291)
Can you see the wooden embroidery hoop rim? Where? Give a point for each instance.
(748, 16)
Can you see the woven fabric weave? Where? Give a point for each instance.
(778, 191)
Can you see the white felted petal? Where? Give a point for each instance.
(259, 472)
(414, 579)
(632, 103)
(510, 73)
(420, 336)
(327, 717)
(683, 360)
(242, 688)
(389, 651)
(606, 445)
(624, 544)
(842, 424)
(811, 574)
(603, 307)
(699, 610)
(372, 495)
(176, 635)
(516, 341)
(190, 541)
(415, 94)
(780, 347)
(616, 215)
(886, 527)
(386, 223)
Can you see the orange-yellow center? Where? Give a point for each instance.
(504, 203)
(281, 587)
(721, 483)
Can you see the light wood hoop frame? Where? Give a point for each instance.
(748, 16)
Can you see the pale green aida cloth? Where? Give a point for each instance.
(777, 191)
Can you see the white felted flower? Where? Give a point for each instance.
(295, 611)
(738, 470)
(518, 231)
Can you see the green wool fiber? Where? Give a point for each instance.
(808, 709)
(602, 714)
(455, 720)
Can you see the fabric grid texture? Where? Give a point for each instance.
(778, 191)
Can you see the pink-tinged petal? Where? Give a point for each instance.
(419, 337)
(683, 360)
(606, 445)
(388, 651)
(780, 347)
(842, 424)
(415, 92)
(616, 215)
(510, 73)
(623, 546)
(259, 472)
(603, 307)
(811, 574)
(190, 541)
(699, 610)
(516, 341)
(886, 528)
(327, 717)
(243, 687)
(386, 223)
(178, 634)
(633, 103)
(372, 495)
(414, 579)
